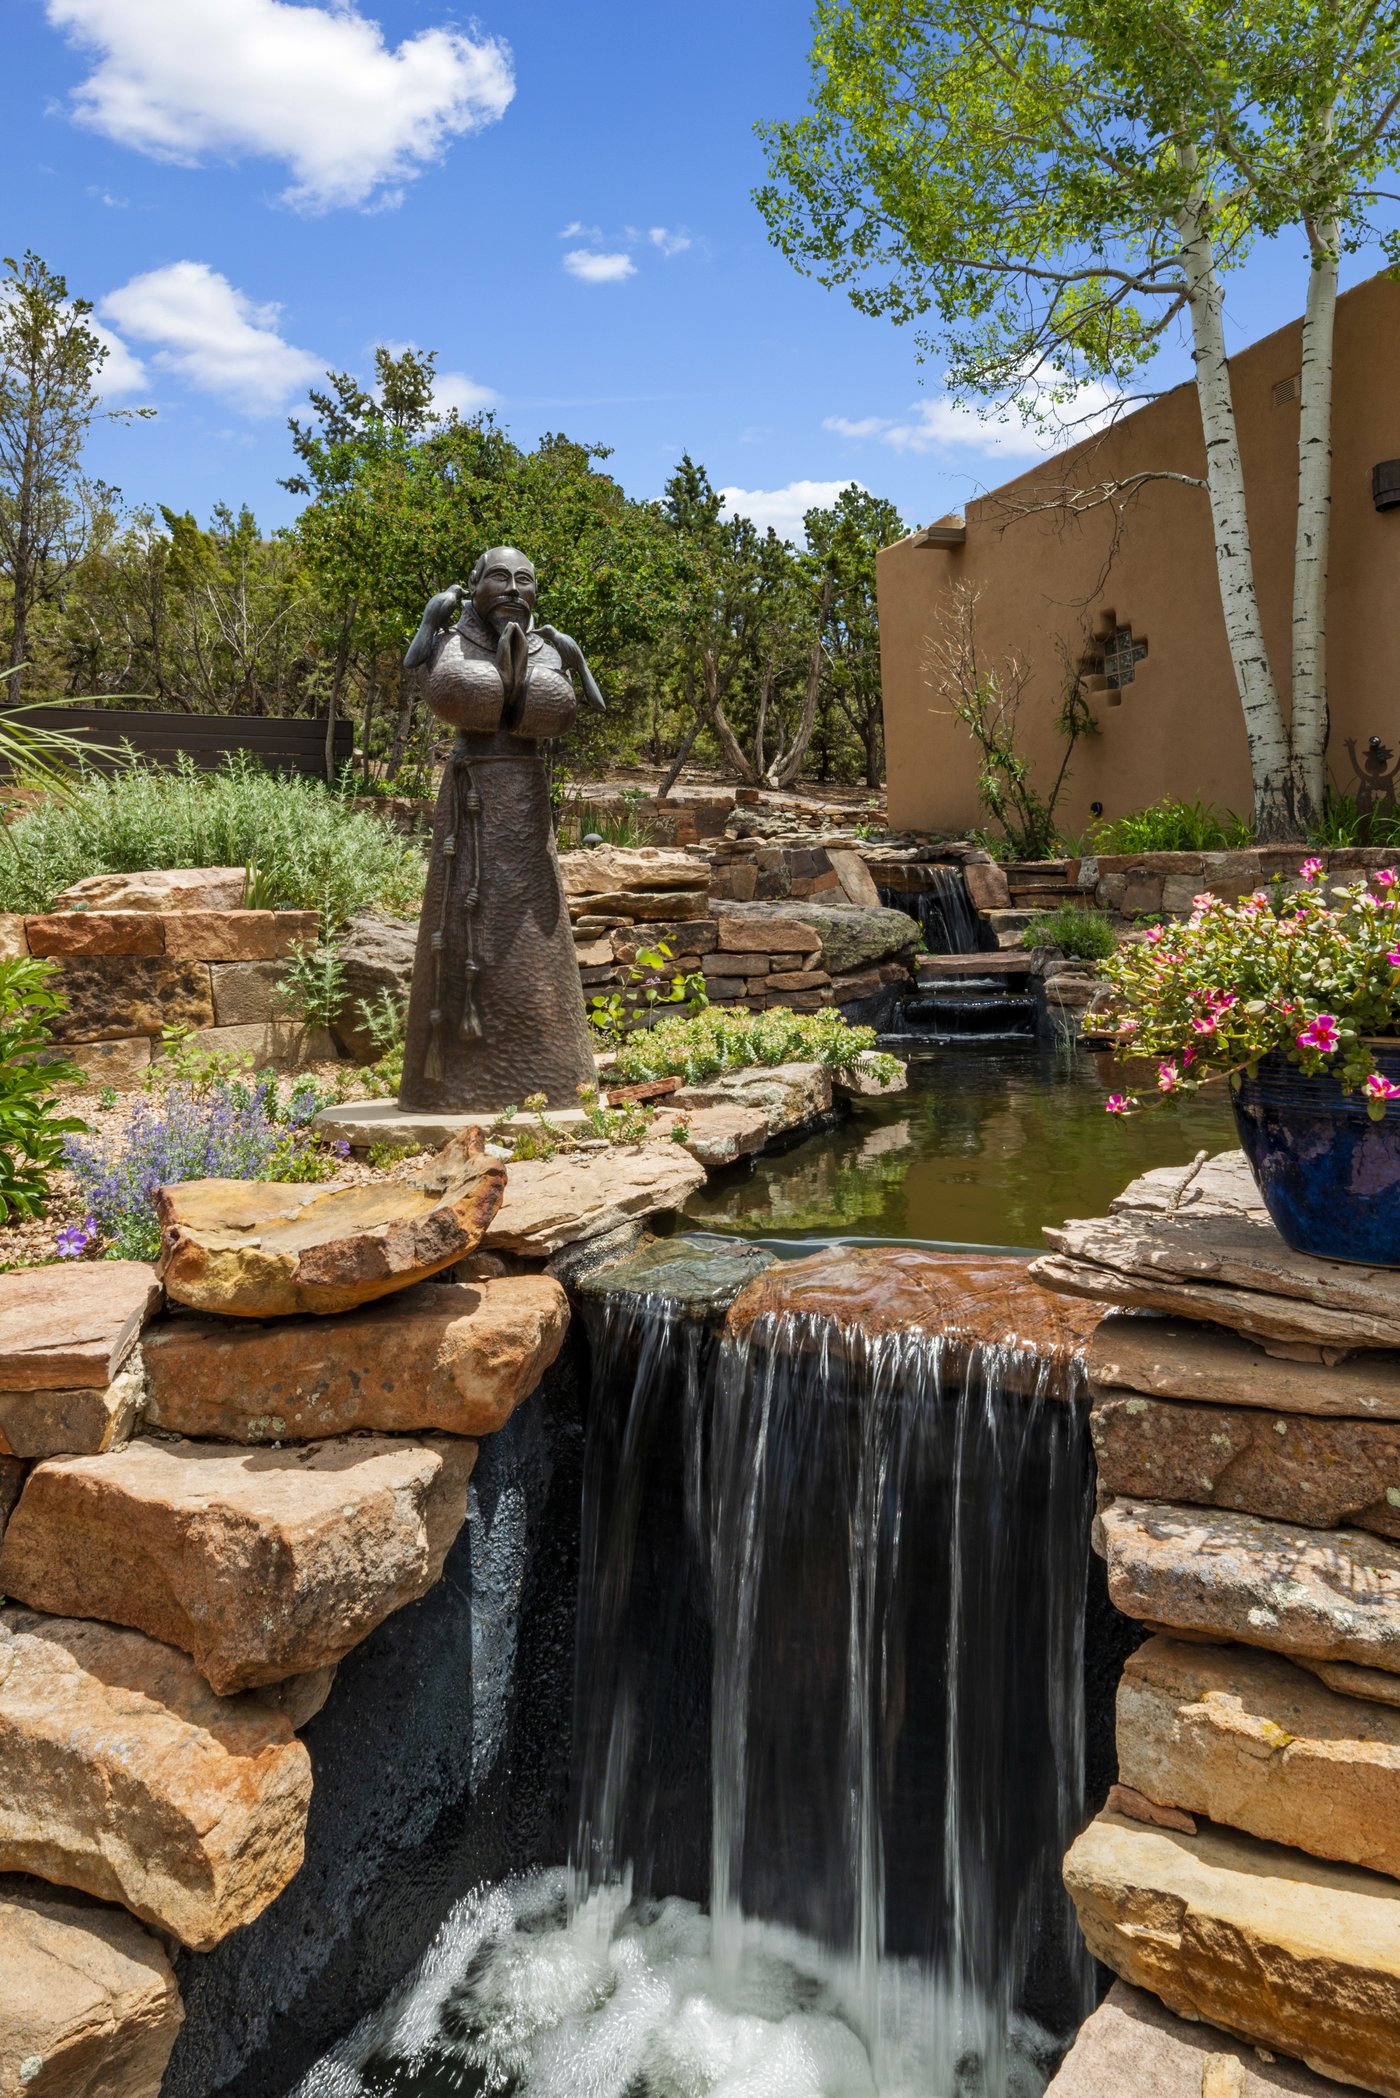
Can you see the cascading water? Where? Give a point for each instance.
(829, 1686)
(945, 916)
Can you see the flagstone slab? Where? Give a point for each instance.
(1288, 1466)
(1280, 1949)
(1133, 2047)
(454, 1356)
(126, 1777)
(260, 1563)
(159, 889)
(1176, 1359)
(264, 1249)
(1330, 1595)
(74, 1423)
(1247, 1739)
(554, 1202)
(89, 2005)
(72, 1325)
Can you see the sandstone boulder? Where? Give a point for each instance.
(376, 954)
(127, 1777)
(551, 1202)
(603, 869)
(1133, 2047)
(260, 1563)
(74, 1423)
(456, 1356)
(89, 2006)
(111, 997)
(767, 928)
(857, 884)
(699, 1275)
(259, 1249)
(863, 1082)
(1331, 1595)
(239, 936)
(1172, 1358)
(1286, 1952)
(716, 1136)
(1247, 1739)
(854, 939)
(12, 1470)
(164, 889)
(1289, 1466)
(95, 932)
(789, 1096)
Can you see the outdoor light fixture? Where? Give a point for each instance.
(1096, 808)
(1385, 484)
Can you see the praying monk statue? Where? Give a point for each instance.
(496, 1009)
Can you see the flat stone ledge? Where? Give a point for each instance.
(73, 1423)
(1247, 1739)
(89, 2006)
(1133, 2047)
(363, 1123)
(72, 1326)
(551, 1203)
(1282, 1951)
(1326, 1595)
(1177, 1359)
(1291, 1467)
(458, 1357)
(126, 1777)
(259, 1563)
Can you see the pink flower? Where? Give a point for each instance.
(1204, 1026)
(1394, 957)
(1320, 1033)
(1310, 869)
(1385, 876)
(1168, 1078)
(1378, 1088)
(1202, 902)
(1118, 1104)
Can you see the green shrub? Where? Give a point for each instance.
(717, 1040)
(312, 987)
(32, 1131)
(1085, 933)
(1173, 826)
(309, 848)
(1343, 824)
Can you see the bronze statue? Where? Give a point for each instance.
(496, 1010)
(1375, 782)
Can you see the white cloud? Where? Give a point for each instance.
(454, 390)
(784, 508)
(945, 424)
(315, 87)
(670, 241)
(212, 335)
(122, 370)
(596, 267)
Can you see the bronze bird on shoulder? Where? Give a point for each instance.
(439, 614)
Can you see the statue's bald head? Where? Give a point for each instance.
(502, 585)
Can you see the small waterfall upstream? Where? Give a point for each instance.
(945, 916)
(829, 1738)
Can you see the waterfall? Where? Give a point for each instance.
(830, 1691)
(945, 916)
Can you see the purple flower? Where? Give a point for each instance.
(73, 1242)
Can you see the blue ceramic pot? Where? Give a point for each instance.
(1329, 1175)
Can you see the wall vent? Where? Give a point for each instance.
(1385, 484)
(1288, 390)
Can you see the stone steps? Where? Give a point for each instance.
(126, 1777)
(1299, 1957)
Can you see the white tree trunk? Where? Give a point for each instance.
(1310, 714)
(1270, 755)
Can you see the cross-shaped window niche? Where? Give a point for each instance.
(1121, 656)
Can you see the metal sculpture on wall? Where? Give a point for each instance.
(1375, 781)
(496, 1008)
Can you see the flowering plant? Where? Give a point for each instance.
(1313, 973)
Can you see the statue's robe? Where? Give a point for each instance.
(496, 1010)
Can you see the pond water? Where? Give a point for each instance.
(987, 1146)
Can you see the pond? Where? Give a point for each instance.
(986, 1147)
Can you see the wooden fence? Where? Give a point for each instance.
(207, 739)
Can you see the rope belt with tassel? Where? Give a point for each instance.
(465, 832)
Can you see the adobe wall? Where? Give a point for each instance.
(1049, 583)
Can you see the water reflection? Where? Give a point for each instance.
(987, 1147)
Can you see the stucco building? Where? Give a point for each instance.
(1133, 603)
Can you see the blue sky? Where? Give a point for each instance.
(555, 197)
